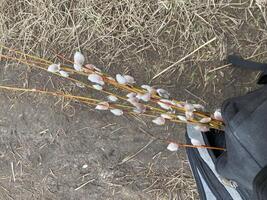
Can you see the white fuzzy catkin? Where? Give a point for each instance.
(120, 79)
(165, 104)
(139, 108)
(163, 93)
(198, 106)
(138, 96)
(205, 120)
(137, 111)
(167, 101)
(178, 104)
(189, 115)
(195, 142)
(98, 87)
(112, 98)
(53, 68)
(129, 79)
(64, 74)
(77, 67)
(218, 115)
(159, 121)
(201, 128)
(89, 66)
(145, 97)
(117, 112)
(189, 107)
(95, 78)
(102, 106)
(150, 89)
(131, 95)
(172, 147)
(182, 118)
(146, 87)
(79, 58)
(133, 100)
(166, 116)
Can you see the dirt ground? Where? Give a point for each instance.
(56, 149)
(52, 148)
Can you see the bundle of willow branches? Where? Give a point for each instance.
(127, 98)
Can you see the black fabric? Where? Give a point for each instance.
(246, 138)
(246, 64)
(263, 78)
(199, 165)
(245, 134)
(260, 185)
(215, 138)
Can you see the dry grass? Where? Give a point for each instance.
(133, 34)
(144, 37)
(128, 29)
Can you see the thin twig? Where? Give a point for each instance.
(182, 59)
(135, 154)
(181, 144)
(13, 173)
(197, 97)
(84, 184)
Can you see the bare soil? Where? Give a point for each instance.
(55, 149)
(52, 148)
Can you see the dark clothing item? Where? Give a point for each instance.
(211, 186)
(260, 185)
(245, 160)
(244, 163)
